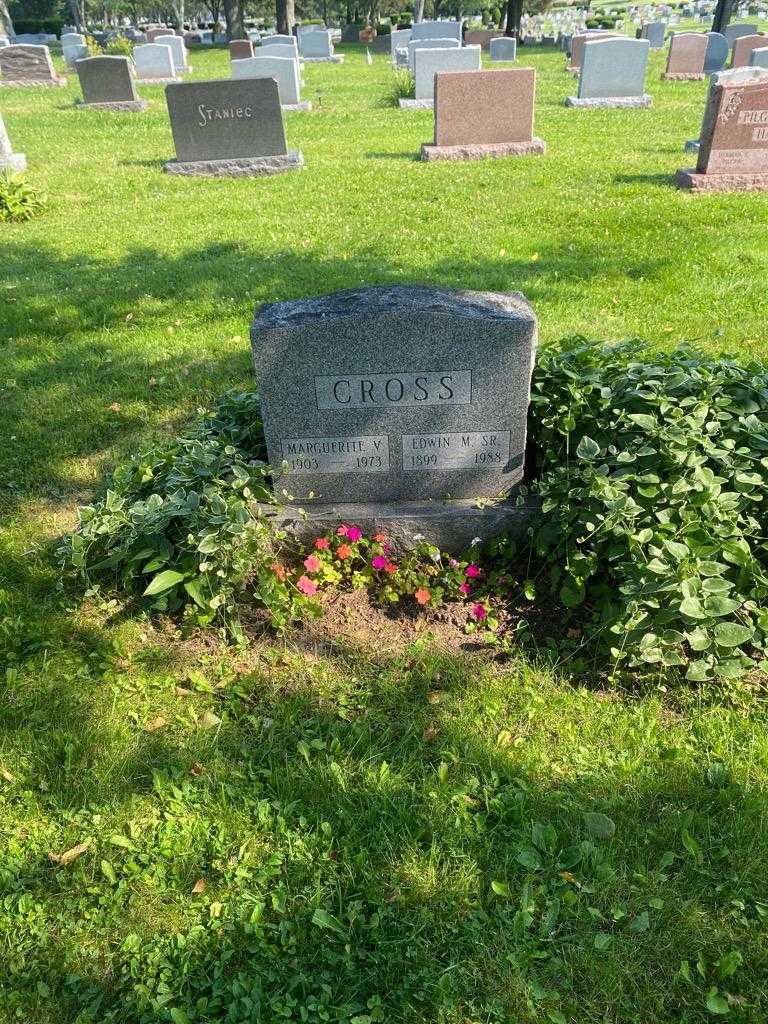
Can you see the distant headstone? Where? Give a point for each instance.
(739, 29)
(733, 155)
(398, 39)
(436, 30)
(743, 47)
(504, 48)
(580, 40)
(316, 46)
(240, 49)
(385, 395)
(483, 114)
(481, 38)
(613, 74)
(429, 44)
(429, 62)
(228, 129)
(73, 47)
(277, 50)
(759, 58)
(276, 38)
(179, 51)
(153, 33)
(654, 32)
(351, 33)
(716, 54)
(9, 161)
(685, 61)
(154, 63)
(107, 83)
(285, 71)
(25, 64)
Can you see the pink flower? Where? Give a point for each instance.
(422, 595)
(312, 562)
(453, 563)
(342, 531)
(379, 562)
(322, 543)
(306, 586)
(472, 571)
(465, 588)
(479, 612)
(343, 551)
(354, 533)
(391, 568)
(386, 548)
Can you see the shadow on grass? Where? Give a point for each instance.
(357, 872)
(664, 180)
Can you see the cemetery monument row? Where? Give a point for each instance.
(395, 394)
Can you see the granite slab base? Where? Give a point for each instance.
(304, 106)
(410, 104)
(336, 59)
(430, 152)
(156, 81)
(14, 162)
(451, 525)
(25, 83)
(695, 182)
(124, 106)
(603, 102)
(683, 77)
(255, 167)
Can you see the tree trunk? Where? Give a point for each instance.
(6, 25)
(178, 14)
(418, 11)
(234, 17)
(286, 16)
(503, 18)
(723, 13)
(514, 17)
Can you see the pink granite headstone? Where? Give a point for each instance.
(685, 61)
(743, 47)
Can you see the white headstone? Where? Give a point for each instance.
(285, 71)
(179, 51)
(154, 61)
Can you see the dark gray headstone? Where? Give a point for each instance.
(225, 120)
(106, 80)
(27, 63)
(395, 393)
(716, 54)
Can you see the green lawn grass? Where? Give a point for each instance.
(394, 836)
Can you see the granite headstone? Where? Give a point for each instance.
(436, 30)
(240, 49)
(685, 61)
(154, 63)
(654, 32)
(503, 48)
(179, 51)
(739, 29)
(285, 71)
(759, 58)
(743, 47)
(716, 54)
(27, 64)
(107, 83)
(430, 61)
(9, 161)
(613, 74)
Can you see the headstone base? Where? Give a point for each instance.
(684, 76)
(610, 101)
(122, 106)
(695, 182)
(256, 167)
(156, 81)
(451, 525)
(336, 59)
(14, 162)
(305, 106)
(24, 83)
(186, 70)
(481, 152)
(410, 104)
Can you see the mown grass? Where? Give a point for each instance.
(350, 810)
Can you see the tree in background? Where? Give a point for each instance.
(6, 25)
(723, 13)
(234, 16)
(286, 16)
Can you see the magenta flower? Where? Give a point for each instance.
(354, 533)
(378, 562)
(465, 588)
(479, 612)
(472, 571)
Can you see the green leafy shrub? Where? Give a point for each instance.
(654, 478)
(32, 26)
(120, 47)
(94, 49)
(19, 200)
(403, 85)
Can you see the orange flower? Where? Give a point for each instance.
(343, 551)
(422, 595)
(380, 538)
(278, 570)
(391, 568)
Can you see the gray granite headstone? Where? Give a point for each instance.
(237, 125)
(716, 53)
(739, 29)
(436, 30)
(27, 65)
(504, 48)
(285, 71)
(390, 394)
(179, 51)
(654, 32)
(431, 61)
(613, 73)
(429, 44)
(154, 63)
(107, 82)
(759, 58)
(9, 161)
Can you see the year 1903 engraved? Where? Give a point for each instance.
(335, 454)
(414, 388)
(486, 450)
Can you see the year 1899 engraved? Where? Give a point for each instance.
(485, 450)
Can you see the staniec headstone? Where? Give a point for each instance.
(388, 397)
(240, 49)
(733, 151)
(28, 65)
(107, 84)
(503, 48)
(743, 47)
(482, 114)
(229, 129)
(154, 64)
(9, 161)
(613, 74)
(429, 62)
(685, 61)
(285, 71)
